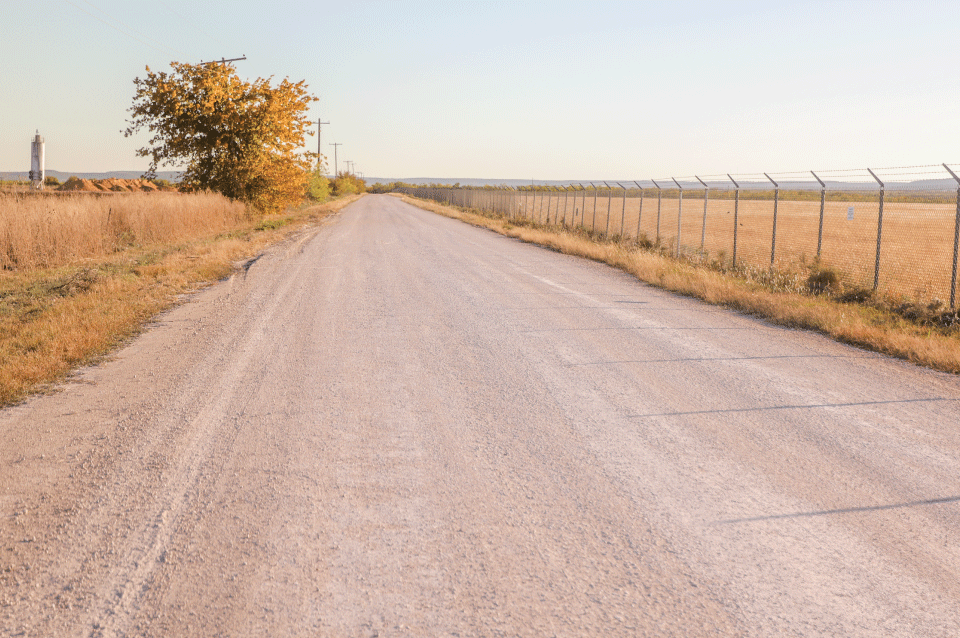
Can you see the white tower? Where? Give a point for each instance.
(36, 163)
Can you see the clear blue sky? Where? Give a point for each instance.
(513, 90)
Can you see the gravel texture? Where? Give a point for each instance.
(400, 425)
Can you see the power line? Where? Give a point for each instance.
(171, 9)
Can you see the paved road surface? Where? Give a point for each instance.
(400, 425)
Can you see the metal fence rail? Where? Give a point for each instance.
(896, 230)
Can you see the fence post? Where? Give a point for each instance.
(736, 213)
(823, 199)
(583, 213)
(659, 194)
(623, 211)
(679, 213)
(703, 229)
(876, 268)
(566, 193)
(593, 223)
(639, 212)
(556, 214)
(776, 200)
(956, 244)
(609, 200)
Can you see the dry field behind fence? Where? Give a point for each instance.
(916, 252)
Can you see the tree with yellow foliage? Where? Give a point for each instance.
(348, 184)
(242, 139)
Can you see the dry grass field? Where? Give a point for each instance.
(916, 253)
(56, 230)
(81, 273)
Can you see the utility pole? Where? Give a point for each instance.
(319, 124)
(335, 165)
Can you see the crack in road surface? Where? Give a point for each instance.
(401, 425)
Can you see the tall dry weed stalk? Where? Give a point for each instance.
(38, 232)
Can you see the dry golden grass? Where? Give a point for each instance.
(916, 249)
(58, 229)
(856, 324)
(55, 318)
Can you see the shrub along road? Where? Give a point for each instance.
(399, 424)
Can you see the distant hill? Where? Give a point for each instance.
(172, 176)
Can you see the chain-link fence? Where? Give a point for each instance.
(890, 230)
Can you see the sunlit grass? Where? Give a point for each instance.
(71, 299)
(916, 251)
(47, 231)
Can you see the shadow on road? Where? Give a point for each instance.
(846, 510)
(792, 407)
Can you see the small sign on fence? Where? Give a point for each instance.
(849, 212)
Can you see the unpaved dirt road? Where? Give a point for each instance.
(400, 425)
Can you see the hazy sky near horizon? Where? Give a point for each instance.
(513, 90)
